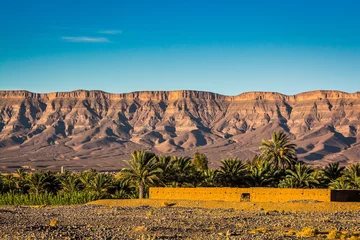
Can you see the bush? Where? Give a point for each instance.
(307, 232)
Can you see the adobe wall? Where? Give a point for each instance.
(241, 194)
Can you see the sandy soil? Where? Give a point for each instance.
(157, 219)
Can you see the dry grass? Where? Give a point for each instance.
(290, 233)
(307, 232)
(140, 229)
(258, 230)
(334, 234)
(53, 222)
(149, 213)
(354, 238)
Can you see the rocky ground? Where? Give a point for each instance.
(172, 222)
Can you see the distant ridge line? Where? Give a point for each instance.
(177, 94)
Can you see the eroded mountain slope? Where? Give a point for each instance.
(83, 129)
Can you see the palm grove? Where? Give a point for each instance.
(276, 166)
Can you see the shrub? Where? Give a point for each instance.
(53, 222)
(307, 232)
(334, 234)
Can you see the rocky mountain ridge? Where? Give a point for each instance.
(82, 129)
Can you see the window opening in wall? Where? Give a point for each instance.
(245, 197)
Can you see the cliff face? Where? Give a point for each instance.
(82, 129)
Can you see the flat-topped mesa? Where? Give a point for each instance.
(325, 94)
(305, 96)
(171, 95)
(18, 94)
(251, 96)
(140, 95)
(174, 95)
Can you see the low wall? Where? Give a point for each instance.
(241, 194)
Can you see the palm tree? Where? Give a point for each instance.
(340, 183)
(279, 151)
(2, 187)
(301, 176)
(332, 171)
(183, 170)
(122, 190)
(143, 170)
(288, 183)
(261, 173)
(38, 182)
(70, 183)
(209, 178)
(20, 174)
(100, 183)
(54, 183)
(166, 165)
(352, 175)
(86, 177)
(9, 182)
(231, 172)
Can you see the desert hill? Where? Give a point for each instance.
(83, 129)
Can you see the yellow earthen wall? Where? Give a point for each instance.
(234, 194)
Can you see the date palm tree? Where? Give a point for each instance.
(143, 170)
(261, 173)
(100, 183)
(20, 174)
(9, 182)
(183, 170)
(332, 171)
(209, 178)
(352, 175)
(231, 173)
(38, 182)
(340, 183)
(2, 186)
(86, 177)
(300, 176)
(166, 165)
(70, 183)
(279, 151)
(122, 190)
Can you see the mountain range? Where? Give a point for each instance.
(94, 129)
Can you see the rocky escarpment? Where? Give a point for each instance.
(82, 129)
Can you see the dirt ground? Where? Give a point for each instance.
(160, 219)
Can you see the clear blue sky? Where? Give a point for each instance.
(223, 46)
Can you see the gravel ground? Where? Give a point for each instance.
(145, 222)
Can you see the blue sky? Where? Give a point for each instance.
(223, 46)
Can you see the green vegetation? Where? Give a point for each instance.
(276, 166)
(143, 170)
(12, 198)
(50, 188)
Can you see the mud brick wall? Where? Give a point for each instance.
(241, 194)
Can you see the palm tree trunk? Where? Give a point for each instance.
(141, 190)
